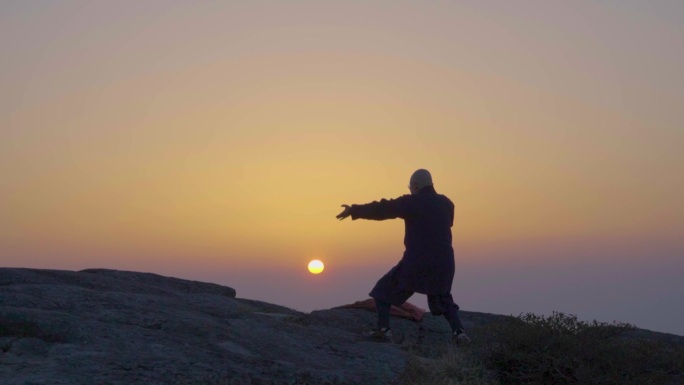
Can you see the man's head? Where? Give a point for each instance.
(420, 179)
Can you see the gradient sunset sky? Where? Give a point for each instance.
(216, 141)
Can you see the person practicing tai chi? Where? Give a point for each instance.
(427, 266)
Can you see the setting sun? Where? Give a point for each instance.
(316, 266)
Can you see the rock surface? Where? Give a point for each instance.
(114, 327)
(101, 326)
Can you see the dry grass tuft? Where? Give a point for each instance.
(445, 365)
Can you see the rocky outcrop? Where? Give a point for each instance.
(101, 326)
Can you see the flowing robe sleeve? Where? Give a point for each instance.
(401, 207)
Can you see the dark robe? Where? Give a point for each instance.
(427, 266)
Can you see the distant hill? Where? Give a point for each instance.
(100, 326)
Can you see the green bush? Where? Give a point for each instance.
(560, 349)
(555, 350)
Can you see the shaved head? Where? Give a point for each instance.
(420, 179)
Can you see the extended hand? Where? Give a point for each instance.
(345, 213)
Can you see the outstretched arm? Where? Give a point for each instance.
(345, 213)
(379, 210)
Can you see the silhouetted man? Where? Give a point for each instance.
(427, 266)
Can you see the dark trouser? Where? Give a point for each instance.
(438, 304)
(444, 305)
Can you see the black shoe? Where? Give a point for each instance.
(379, 334)
(459, 337)
(384, 335)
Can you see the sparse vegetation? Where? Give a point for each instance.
(558, 349)
(13, 326)
(17, 326)
(445, 366)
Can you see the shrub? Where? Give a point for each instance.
(560, 349)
